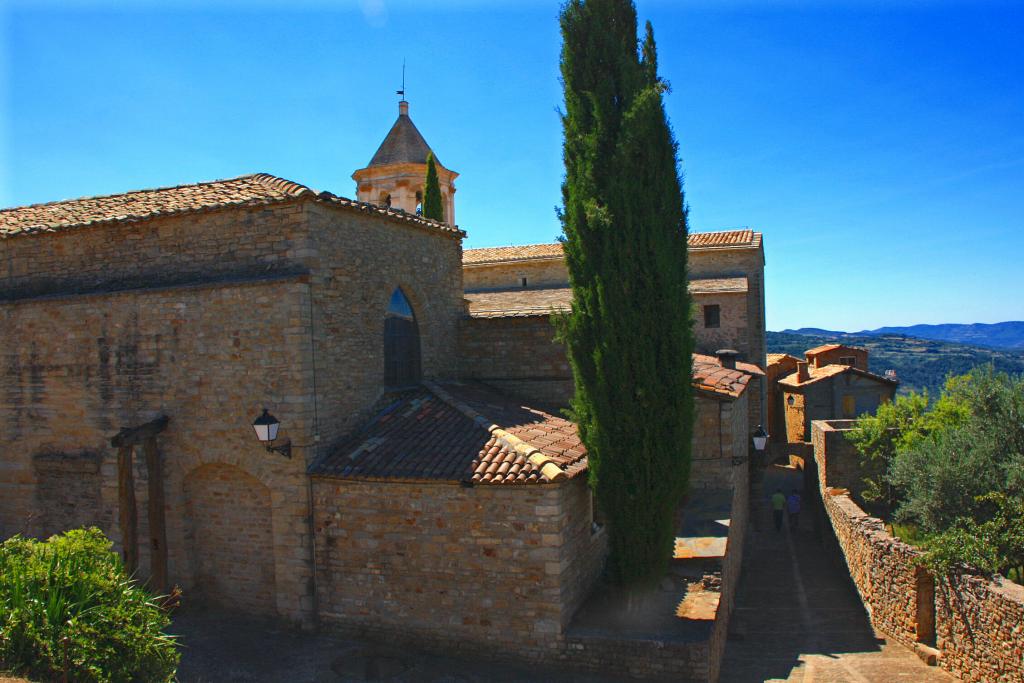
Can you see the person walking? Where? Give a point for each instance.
(793, 508)
(778, 507)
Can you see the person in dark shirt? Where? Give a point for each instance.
(793, 508)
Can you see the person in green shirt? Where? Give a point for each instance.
(778, 508)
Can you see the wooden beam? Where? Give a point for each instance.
(157, 525)
(135, 436)
(126, 502)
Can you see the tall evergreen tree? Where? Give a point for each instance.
(432, 207)
(628, 335)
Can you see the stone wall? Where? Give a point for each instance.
(539, 273)
(720, 433)
(978, 624)
(79, 368)
(518, 355)
(452, 568)
(732, 332)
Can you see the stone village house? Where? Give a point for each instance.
(433, 491)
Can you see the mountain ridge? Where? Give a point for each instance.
(1004, 335)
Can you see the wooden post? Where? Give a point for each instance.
(129, 516)
(157, 525)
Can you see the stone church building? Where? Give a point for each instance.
(423, 485)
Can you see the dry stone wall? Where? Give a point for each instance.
(539, 273)
(978, 623)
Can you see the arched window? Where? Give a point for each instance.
(401, 343)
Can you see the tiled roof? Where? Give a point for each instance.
(459, 432)
(522, 252)
(527, 252)
(257, 189)
(519, 303)
(709, 376)
(724, 285)
(402, 145)
(724, 239)
(829, 347)
(774, 358)
(827, 371)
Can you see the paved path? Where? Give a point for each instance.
(798, 616)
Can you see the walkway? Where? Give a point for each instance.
(798, 616)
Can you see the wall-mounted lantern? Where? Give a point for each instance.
(266, 426)
(760, 439)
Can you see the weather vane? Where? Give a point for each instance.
(402, 91)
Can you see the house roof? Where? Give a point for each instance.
(257, 189)
(403, 144)
(459, 432)
(523, 252)
(523, 302)
(519, 303)
(711, 378)
(724, 285)
(774, 358)
(830, 347)
(827, 371)
(729, 239)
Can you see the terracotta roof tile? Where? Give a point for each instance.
(826, 371)
(710, 376)
(830, 347)
(459, 432)
(523, 302)
(526, 252)
(249, 190)
(514, 253)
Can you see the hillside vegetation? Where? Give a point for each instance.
(1006, 335)
(920, 364)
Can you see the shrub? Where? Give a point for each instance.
(67, 608)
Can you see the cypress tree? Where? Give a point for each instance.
(628, 335)
(432, 207)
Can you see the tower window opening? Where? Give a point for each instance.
(524, 282)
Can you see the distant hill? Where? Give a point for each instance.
(1008, 335)
(919, 363)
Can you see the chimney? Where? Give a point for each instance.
(727, 358)
(403, 108)
(801, 371)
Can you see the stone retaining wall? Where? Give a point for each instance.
(979, 624)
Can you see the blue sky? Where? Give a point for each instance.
(879, 146)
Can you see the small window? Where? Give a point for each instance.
(712, 315)
(524, 282)
(401, 343)
(849, 406)
(848, 360)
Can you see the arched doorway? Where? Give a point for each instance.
(232, 538)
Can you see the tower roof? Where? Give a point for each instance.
(404, 144)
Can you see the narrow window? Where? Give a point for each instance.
(401, 343)
(849, 406)
(524, 282)
(712, 315)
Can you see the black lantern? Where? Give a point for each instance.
(266, 426)
(760, 439)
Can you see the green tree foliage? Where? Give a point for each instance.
(432, 207)
(67, 608)
(955, 472)
(628, 336)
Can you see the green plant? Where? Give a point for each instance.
(432, 206)
(67, 608)
(628, 335)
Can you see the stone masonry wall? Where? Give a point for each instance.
(519, 355)
(541, 273)
(79, 368)
(357, 262)
(732, 332)
(720, 434)
(979, 624)
(450, 568)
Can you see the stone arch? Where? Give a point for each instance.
(231, 538)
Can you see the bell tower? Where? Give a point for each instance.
(397, 173)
